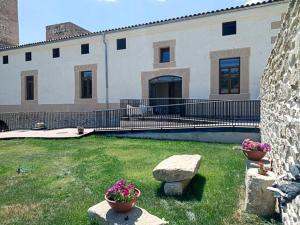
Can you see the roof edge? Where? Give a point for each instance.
(152, 23)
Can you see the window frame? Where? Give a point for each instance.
(229, 76)
(5, 59)
(121, 45)
(28, 56)
(81, 85)
(83, 52)
(224, 33)
(55, 53)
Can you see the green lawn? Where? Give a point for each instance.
(65, 177)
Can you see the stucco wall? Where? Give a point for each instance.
(195, 39)
(280, 94)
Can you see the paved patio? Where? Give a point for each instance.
(47, 134)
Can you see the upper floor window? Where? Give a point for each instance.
(29, 87)
(121, 44)
(56, 53)
(229, 28)
(85, 49)
(165, 55)
(28, 56)
(5, 59)
(229, 76)
(86, 84)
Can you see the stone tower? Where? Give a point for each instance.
(9, 24)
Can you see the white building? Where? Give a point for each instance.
(213, 55)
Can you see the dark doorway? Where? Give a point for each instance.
(166, 90)
(3, 126)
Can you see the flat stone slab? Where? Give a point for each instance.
(45, 134)
(103, 214)
(176, 188)
(177, 168)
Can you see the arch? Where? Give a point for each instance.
(166, 86)
(149, 75)
(3, 126)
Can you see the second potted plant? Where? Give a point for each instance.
(255, 150)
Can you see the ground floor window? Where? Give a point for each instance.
(29, 87)
(229, 76)
(86, 84)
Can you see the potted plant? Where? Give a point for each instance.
(122, 197)
(255, 150)
(80, 130)
(262, 170)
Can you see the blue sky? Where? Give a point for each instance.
(95, 15)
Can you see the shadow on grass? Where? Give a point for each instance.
(194, 191)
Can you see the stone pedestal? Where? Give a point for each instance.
(176, 188)
(103, 214)
(259, 200)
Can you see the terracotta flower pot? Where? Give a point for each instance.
(126, 206)
(254, 155)
(263, 172)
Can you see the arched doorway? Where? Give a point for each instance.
(3, 126)
(166, 90)
(166, 87)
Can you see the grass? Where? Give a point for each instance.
(65, 177)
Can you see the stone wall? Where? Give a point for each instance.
(280, 95)
(62, 30)
(9, 25)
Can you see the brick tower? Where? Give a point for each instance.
(9, 24)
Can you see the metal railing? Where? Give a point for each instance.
(203, 113)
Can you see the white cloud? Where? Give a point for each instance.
(253, 1)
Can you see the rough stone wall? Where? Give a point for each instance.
(9, 24)
(62, 30)
(280, 95)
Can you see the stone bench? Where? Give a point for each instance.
(177, 171)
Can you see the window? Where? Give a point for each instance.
(230, 76)
(5, 59)
(55, 53)
(29, 87)
(86, 84)
(121, 44)
(85, 49)
(229, 28)
(28, 56)
(164, 55)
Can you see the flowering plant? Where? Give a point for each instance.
(250, 145)
(262, 169)
(121, 192)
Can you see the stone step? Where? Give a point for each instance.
(104, 215)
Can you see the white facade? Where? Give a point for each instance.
(195, 39)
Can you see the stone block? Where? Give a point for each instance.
(177, 168)
(104, 215)
(175, 188)
(259, 200)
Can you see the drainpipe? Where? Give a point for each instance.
(106, 70)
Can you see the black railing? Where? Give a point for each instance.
(185, 115)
